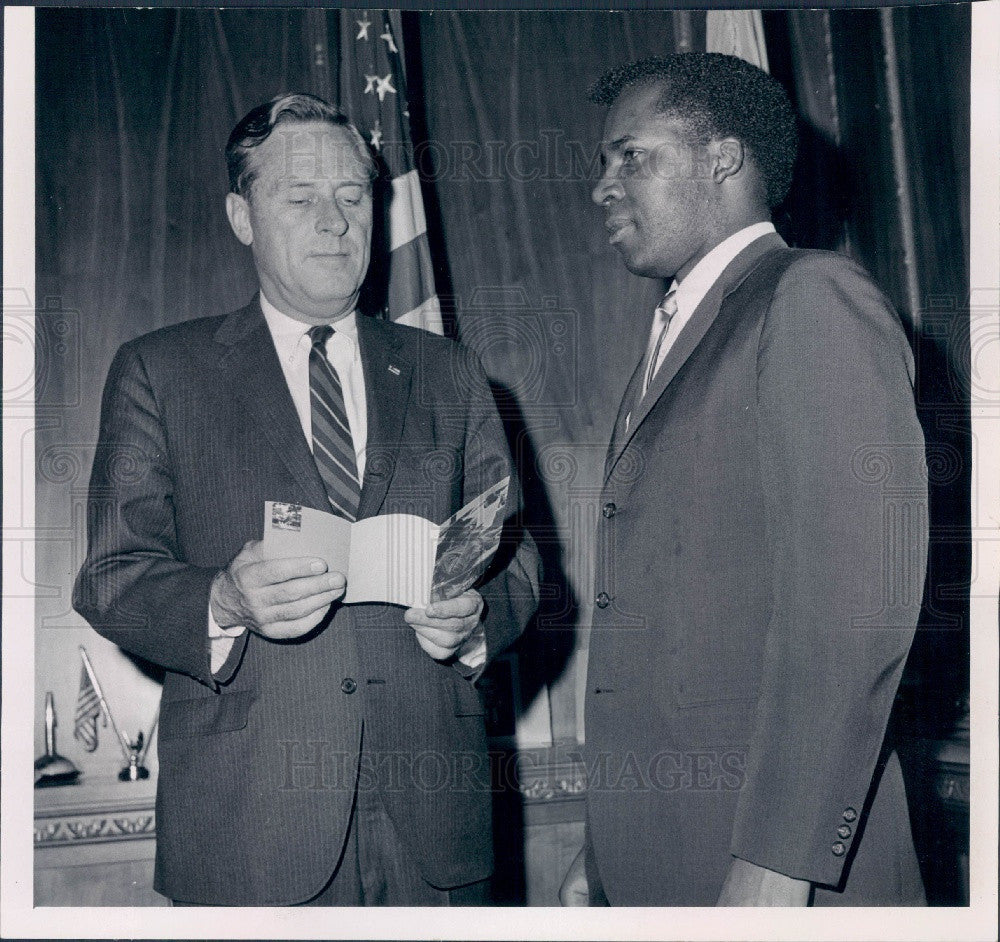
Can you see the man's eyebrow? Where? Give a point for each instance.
(302, 182)
(620, 142)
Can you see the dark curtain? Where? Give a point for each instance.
(133, 110)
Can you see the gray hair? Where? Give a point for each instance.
(258, 124)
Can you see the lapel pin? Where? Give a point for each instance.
(394, 369)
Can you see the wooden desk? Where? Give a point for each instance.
(95, 843)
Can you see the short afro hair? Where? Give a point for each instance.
(719, 96)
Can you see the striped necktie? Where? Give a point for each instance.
(333, 447)
(664, 314)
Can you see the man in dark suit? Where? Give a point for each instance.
(762, 539)
(310, 751)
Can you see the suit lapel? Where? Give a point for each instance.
(387, 390)
(254, 376)
(687, 341)
(624, 420)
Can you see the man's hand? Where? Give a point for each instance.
(748, 884)
(277, 598)
(574, 890)
(442, 627)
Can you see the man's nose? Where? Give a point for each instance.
(330, 218)
(608, 188)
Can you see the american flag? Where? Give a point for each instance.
(88, 708)
(373, 93)
(737, 33)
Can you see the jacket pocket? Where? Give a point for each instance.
(205, 716)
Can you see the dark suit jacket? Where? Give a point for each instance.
(760, 564)
(258, 770)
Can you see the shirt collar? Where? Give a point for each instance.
(287, 332)
(697, 283)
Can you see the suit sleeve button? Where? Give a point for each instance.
(603, 600)
(609, 510)
(838, 849)
(348, 685)
(850, 814)
(844, 831)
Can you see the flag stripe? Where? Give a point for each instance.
(88, 708)
(406, 212)
(426, 316)
(737, 33)
(411, 282)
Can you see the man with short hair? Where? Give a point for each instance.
(755, 595)
(310, 751)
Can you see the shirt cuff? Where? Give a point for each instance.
(220, 641)
(472, 652)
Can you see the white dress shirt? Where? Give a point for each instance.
(698, 282)
(293, 345)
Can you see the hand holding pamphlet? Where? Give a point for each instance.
(402, 559)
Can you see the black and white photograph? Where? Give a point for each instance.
(718, 290)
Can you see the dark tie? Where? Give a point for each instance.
(333, 448)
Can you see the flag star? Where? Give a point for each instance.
(383, 86)
(377, 136)
(370, 81)
(387, 36)
(363, 26)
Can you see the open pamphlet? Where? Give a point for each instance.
(402, 559)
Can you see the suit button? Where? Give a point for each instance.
(850, 814)
(838, 849)
(609, 510)
(603, 600)
(844, 831)
(348, 685)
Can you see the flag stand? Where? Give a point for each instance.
(53, 769)
(136, 770)
(133, 753)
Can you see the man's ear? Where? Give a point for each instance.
(728, 157)
(238, 211)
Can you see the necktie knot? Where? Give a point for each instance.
(320, 334)
(668, 306)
